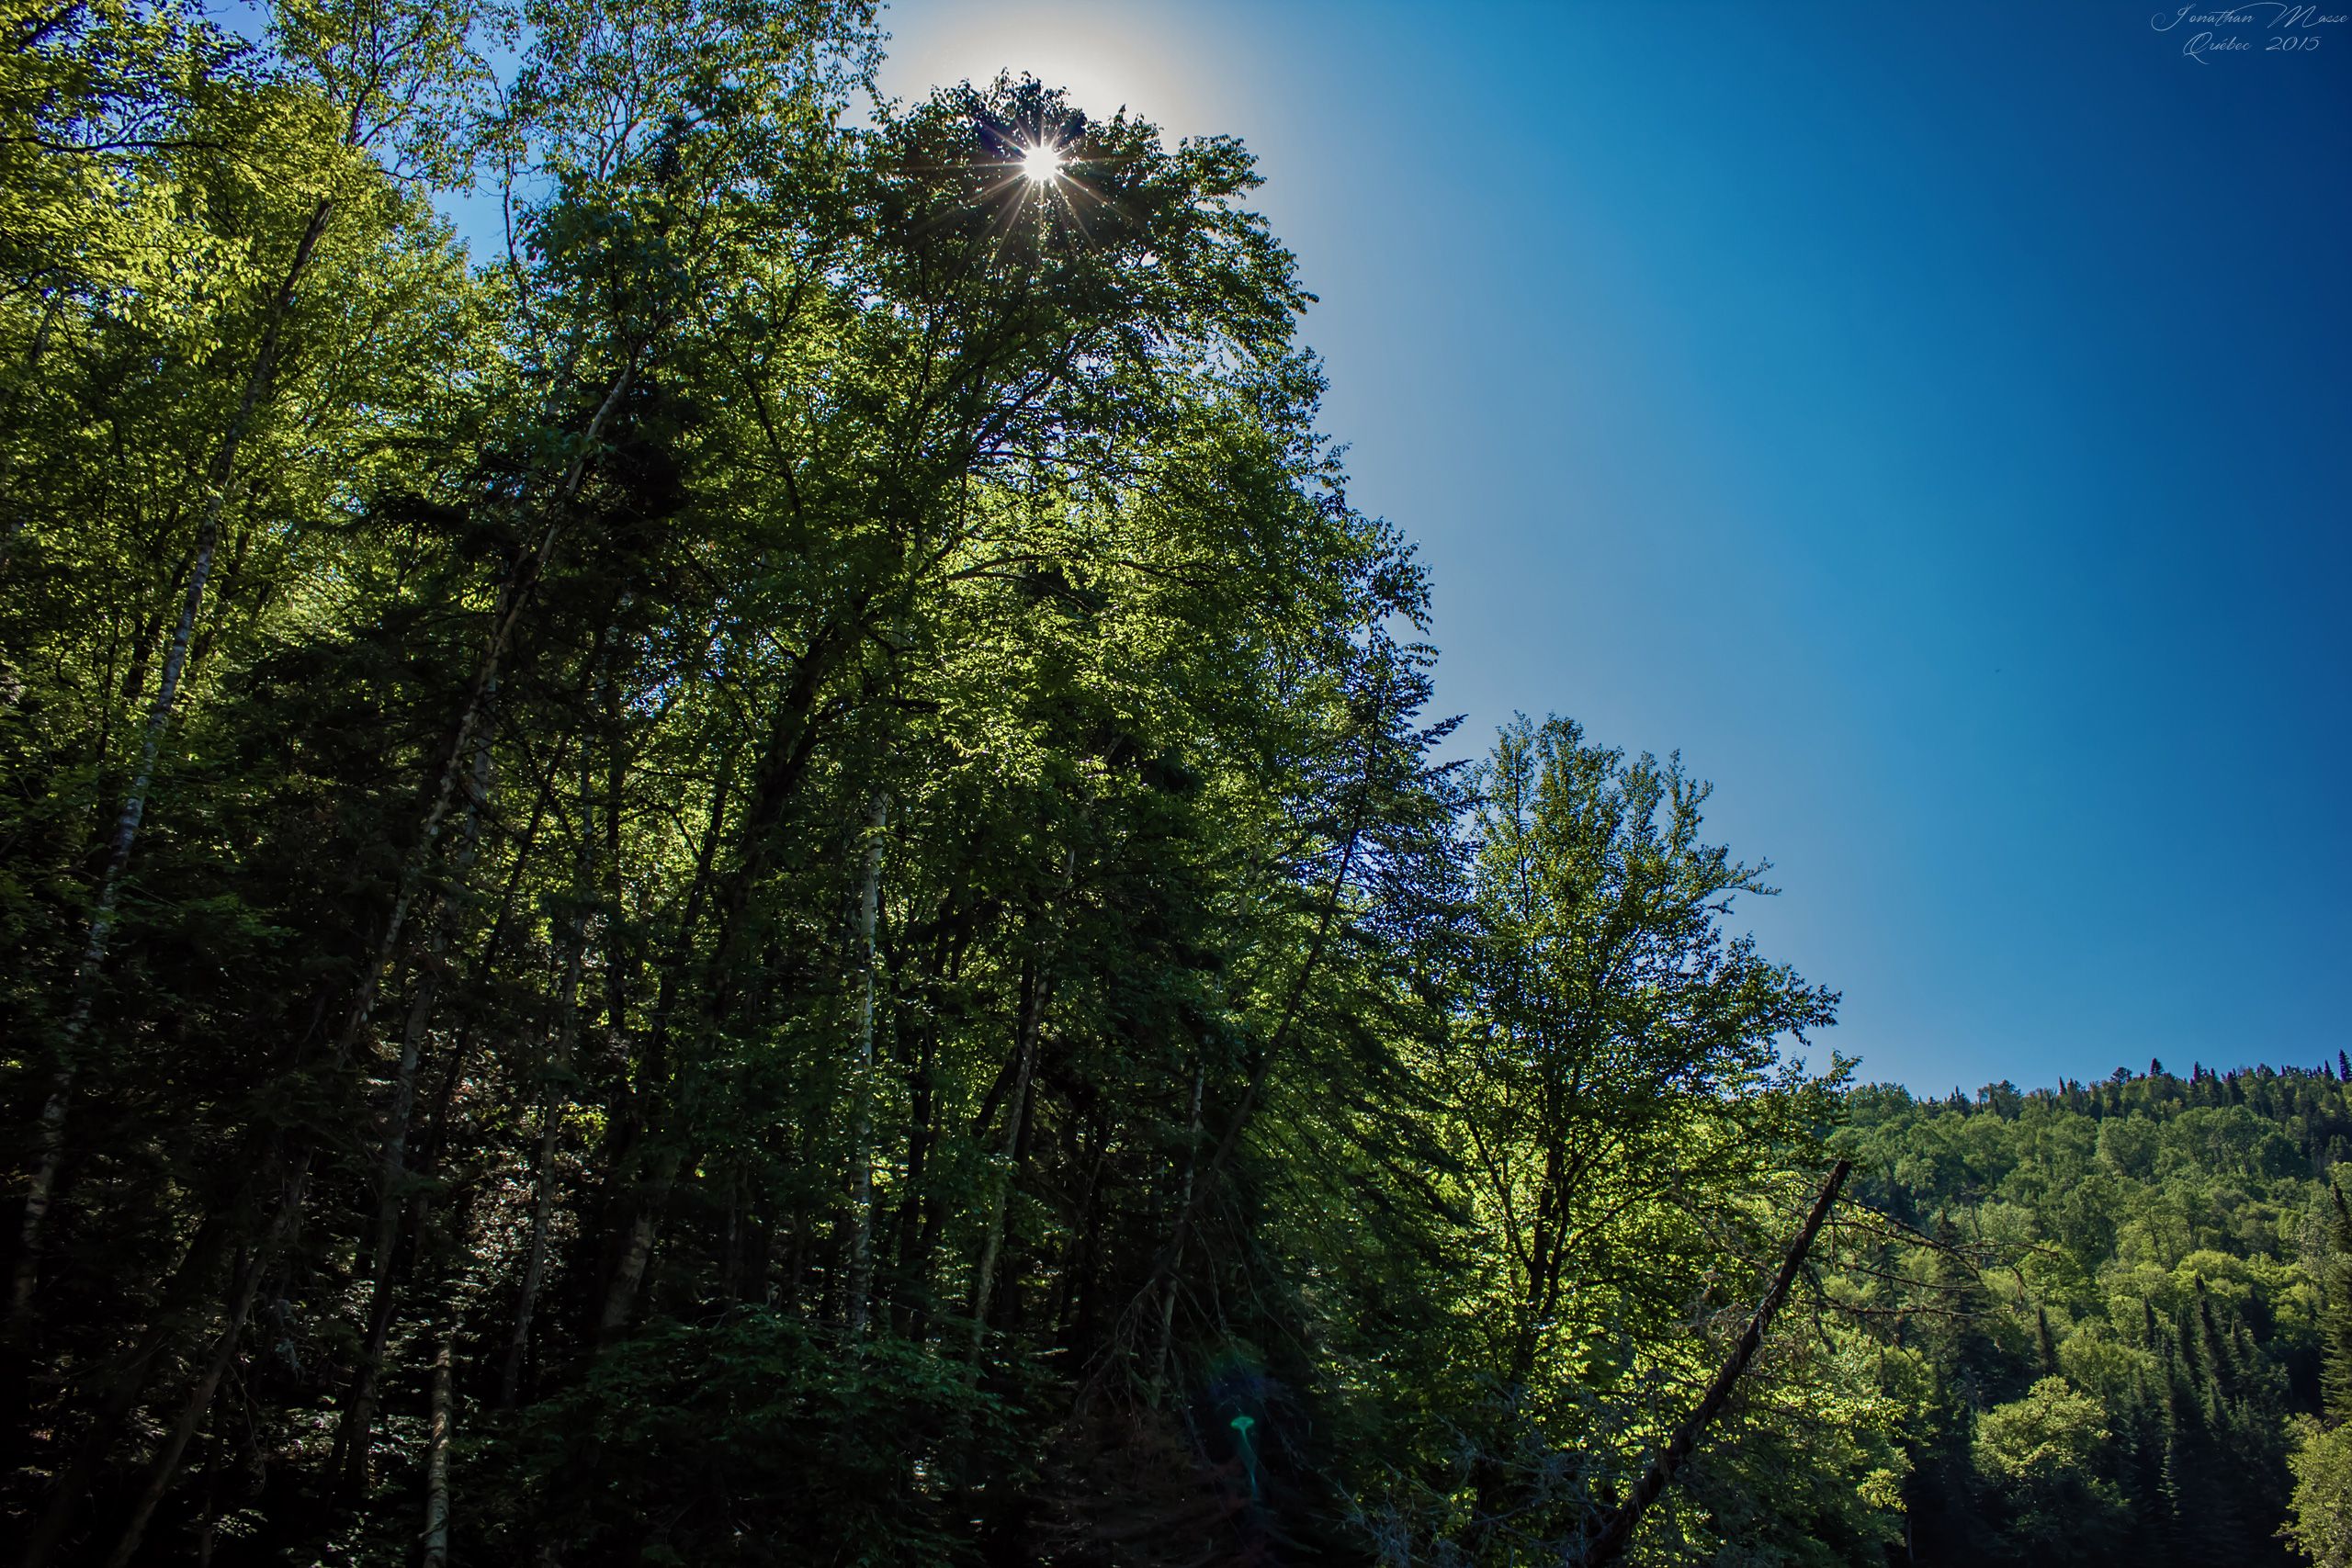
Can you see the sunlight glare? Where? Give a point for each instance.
(1040, 163)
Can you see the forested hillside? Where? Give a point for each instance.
(759, 874)
(2142, 1295)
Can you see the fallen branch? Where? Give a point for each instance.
(1607, 1542)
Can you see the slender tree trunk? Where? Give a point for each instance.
(355, 1440)
(1164, 1267)
(791, 740)
(1071, 1265)
(296, 1189)
(1168, 1296)
(514, 599)
(643, 1223)
(637, 1246)
(1610, 1536)
(535, 1256)
(146, 635)
(124, 1387)
(860, 1159)
(48, 1138)
(1544, 1266)
(174, 1446)
(918, 1205)
(928, 1214)
(441, 1393)
(356, 1436)
(1031, 1017)
(435, 1542)
(1081, 1291)
(208, 1533)
(909, 1280)
(730, 1257)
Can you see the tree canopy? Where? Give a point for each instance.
(764, 875)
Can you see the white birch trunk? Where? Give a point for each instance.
(48, 1137)
(291, 1202)
(861, 1161)
(637, 1250)
(436, 1542)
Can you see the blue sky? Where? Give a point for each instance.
(1935, 422)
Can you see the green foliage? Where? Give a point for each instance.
(716, 1444)
(2319, 1521)
(1622, 1118)
(766, 879)
(2336, 1308)
(2042, 1458)
(2163, 1242)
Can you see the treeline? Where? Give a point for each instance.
(762, 878)
(2143, 1327)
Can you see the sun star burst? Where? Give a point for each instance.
(1041, 164)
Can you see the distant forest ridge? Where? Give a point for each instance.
(2005, 1096)
(2148, 1351)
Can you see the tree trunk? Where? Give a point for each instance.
(1167, 1297)
(1164, 1267)
(1608, 1539)
(637, 1247)
(783, 760)
(356, 1436)
(124, 1388)
(208, 1534)
(514, 596)
(168, 1453)
(1079, 1286)
(355, 1440)
(643, 1225)
(48, 1137)
(535, 1256)
(910, 1267)
(290, 1203)
(1032, 1016)
(860, 1159)
(435, 1542)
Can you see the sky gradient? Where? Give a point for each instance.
(1936, 422)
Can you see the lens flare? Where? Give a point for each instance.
(1040, 163)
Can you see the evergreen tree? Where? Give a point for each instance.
(2335, 1309)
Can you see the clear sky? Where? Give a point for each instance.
(1935, 420)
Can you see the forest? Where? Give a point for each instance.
(761, 872)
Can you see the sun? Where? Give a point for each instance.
(1041, 164)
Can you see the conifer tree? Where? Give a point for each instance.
(2335, 1309)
